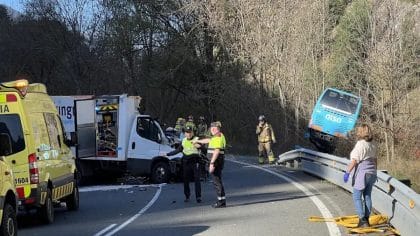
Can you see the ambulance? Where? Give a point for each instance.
(42, 163)
(112, 136)
(8, 200)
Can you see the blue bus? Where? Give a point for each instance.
(334, 116)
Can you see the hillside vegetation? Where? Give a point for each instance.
(233, 60)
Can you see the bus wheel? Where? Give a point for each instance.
(47, 210)
(9, 222)
(160, 173)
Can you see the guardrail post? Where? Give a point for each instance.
(296, 164)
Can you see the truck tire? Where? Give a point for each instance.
(160, 172)
(72, 201)
(9, 222)
(47, 210)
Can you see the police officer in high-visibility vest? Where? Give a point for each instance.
(216, 154)
(190, 163)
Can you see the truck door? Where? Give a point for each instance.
(145, 139)
(85, 128)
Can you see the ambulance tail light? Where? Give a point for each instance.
(11, 98)
(20, 192)
(33, 168)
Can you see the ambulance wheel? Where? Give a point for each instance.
(9, 222)
(47, 210)
(72, 201)
(160, 173)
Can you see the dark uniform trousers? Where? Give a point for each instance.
(191, 169)
(217, 178)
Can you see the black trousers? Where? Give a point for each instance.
(217, 178)
(191, 170)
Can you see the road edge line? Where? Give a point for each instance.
(332, 227)
(104, 230)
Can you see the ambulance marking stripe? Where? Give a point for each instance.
(141, 212)
(332, 227)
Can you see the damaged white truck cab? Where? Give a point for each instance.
(112, 136)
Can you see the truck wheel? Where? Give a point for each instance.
(160, 173)
(9, 222)
(72, 201)
(47, 210)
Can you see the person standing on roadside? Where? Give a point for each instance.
(190, 163)
(216, 154)
(266, 139)
(364, 165)
(202, 130)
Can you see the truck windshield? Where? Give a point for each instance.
(339, 101)
(11, 126)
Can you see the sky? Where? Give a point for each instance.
(15, 4)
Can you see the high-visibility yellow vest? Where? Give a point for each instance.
(188, 147)
(218, 141)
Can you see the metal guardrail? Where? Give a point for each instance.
(389, 196)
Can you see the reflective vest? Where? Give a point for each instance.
(218, 141)
(188, 147)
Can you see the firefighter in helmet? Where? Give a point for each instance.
(202, 130)
(266, 139)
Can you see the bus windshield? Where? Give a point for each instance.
(340, 102)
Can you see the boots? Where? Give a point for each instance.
(220, 204)
(363, 223)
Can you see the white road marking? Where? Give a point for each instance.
(104, 230)
(141, 212)
(332, 227)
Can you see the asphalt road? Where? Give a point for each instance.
(262, 200)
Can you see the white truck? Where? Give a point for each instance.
(111, 135)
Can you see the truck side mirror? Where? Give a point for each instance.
(5, 144)
(159, 138)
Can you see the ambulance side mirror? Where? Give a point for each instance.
(5, 144)
(72, 141)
